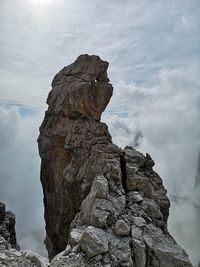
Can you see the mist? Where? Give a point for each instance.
(20, 186)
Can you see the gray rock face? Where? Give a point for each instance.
(121, 228)
(93, 241)
(104, 206)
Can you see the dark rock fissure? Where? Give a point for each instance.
(84, 80)
(123, 172)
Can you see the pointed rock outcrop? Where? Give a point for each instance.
(10, 254)
(71, 142)
(104, 206)
(7, 226)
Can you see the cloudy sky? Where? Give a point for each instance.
(154, 55)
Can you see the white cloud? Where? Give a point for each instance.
(136, 38)
(20, 185)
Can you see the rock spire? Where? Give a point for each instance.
(104, 206)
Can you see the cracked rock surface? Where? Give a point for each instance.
(104, 206)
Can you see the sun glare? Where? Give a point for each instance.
(41, 1)
(41, 8)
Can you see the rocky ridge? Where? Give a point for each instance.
(10, 254)
(104, 206)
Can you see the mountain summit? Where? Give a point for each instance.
(104, 206)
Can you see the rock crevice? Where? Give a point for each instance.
(123, 172)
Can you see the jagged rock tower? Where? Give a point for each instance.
(104, 206)
(7, 226)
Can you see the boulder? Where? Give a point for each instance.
(94, 241)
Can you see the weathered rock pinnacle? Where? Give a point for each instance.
(7, 226)
(104, 206)
(69, 139)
